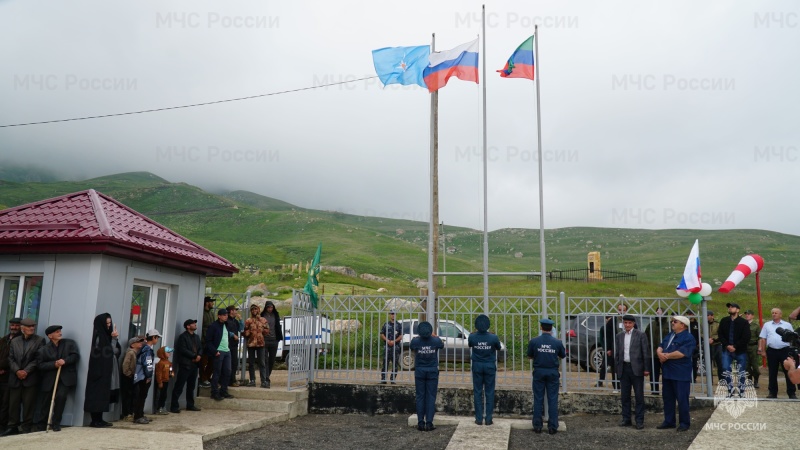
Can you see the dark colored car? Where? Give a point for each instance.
(583, 333)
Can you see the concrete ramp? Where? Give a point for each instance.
(469, 435)
(767, 424)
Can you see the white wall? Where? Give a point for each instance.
(76, 288)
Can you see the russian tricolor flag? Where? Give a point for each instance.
(460, 62)
(691, 274)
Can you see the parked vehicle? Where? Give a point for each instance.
(456, 344)
(298, 330)
(583, 333)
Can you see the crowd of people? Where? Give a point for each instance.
(37, 373)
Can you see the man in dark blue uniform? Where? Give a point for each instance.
(484, 367)
(426, 346)
(391, 335)
(545, 352)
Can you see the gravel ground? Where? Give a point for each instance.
(353, 431)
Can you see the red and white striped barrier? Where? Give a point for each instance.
(749, 264)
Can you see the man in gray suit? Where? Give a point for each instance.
(632, 358)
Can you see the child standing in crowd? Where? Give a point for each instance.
(164, 373)
(126, 380)
(143, 376)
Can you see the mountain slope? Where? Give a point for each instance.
(249, 228)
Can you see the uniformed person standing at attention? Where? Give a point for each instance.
(426, 346)
(391, 335)
(484, 347)
(545, 352)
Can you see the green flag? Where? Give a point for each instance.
(312, 278)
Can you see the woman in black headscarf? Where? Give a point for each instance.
(102, 381)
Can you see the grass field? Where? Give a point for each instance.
(251, 229)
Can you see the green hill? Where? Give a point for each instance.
(248, 228)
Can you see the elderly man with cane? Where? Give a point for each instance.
(58, 366)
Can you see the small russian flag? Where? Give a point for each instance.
(691, 274)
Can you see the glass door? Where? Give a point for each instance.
(8, 308)
(140, 302)
(148, 310)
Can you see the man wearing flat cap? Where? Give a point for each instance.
(675, 354)
(734, 334)
(632, 358)
(188, 353)
(24, 378)
(545, 351)
(58, 353)
(5, 370)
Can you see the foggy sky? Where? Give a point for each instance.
(654, 115)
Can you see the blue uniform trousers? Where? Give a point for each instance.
(483, 382)
(672, 391)
(545, 380)
(426, 380)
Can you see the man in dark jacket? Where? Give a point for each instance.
(5, 370)
(632, 358)
(63, 354)
(273, 337)
(606, 341)
(217, 346)
(734, 334)
(24, 378)
(188, 353)
(235, 326)
(207, 361)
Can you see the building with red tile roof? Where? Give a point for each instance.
(67, 259)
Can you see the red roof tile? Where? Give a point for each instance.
(91, 222)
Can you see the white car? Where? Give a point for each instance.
(456, 344)
(298, 330)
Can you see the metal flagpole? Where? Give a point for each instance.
(542, 254)
(430, 309)
(444, 256)
(485, 200)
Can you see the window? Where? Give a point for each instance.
(19, 302)
(448, 330)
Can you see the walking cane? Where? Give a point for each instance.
(53, 402)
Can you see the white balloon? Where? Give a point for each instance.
(681, 293)
(705, 289)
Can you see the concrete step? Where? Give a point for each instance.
(291, 408)
(260, 393)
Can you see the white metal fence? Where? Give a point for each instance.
(349, 348)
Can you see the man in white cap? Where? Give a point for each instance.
(675, 354)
